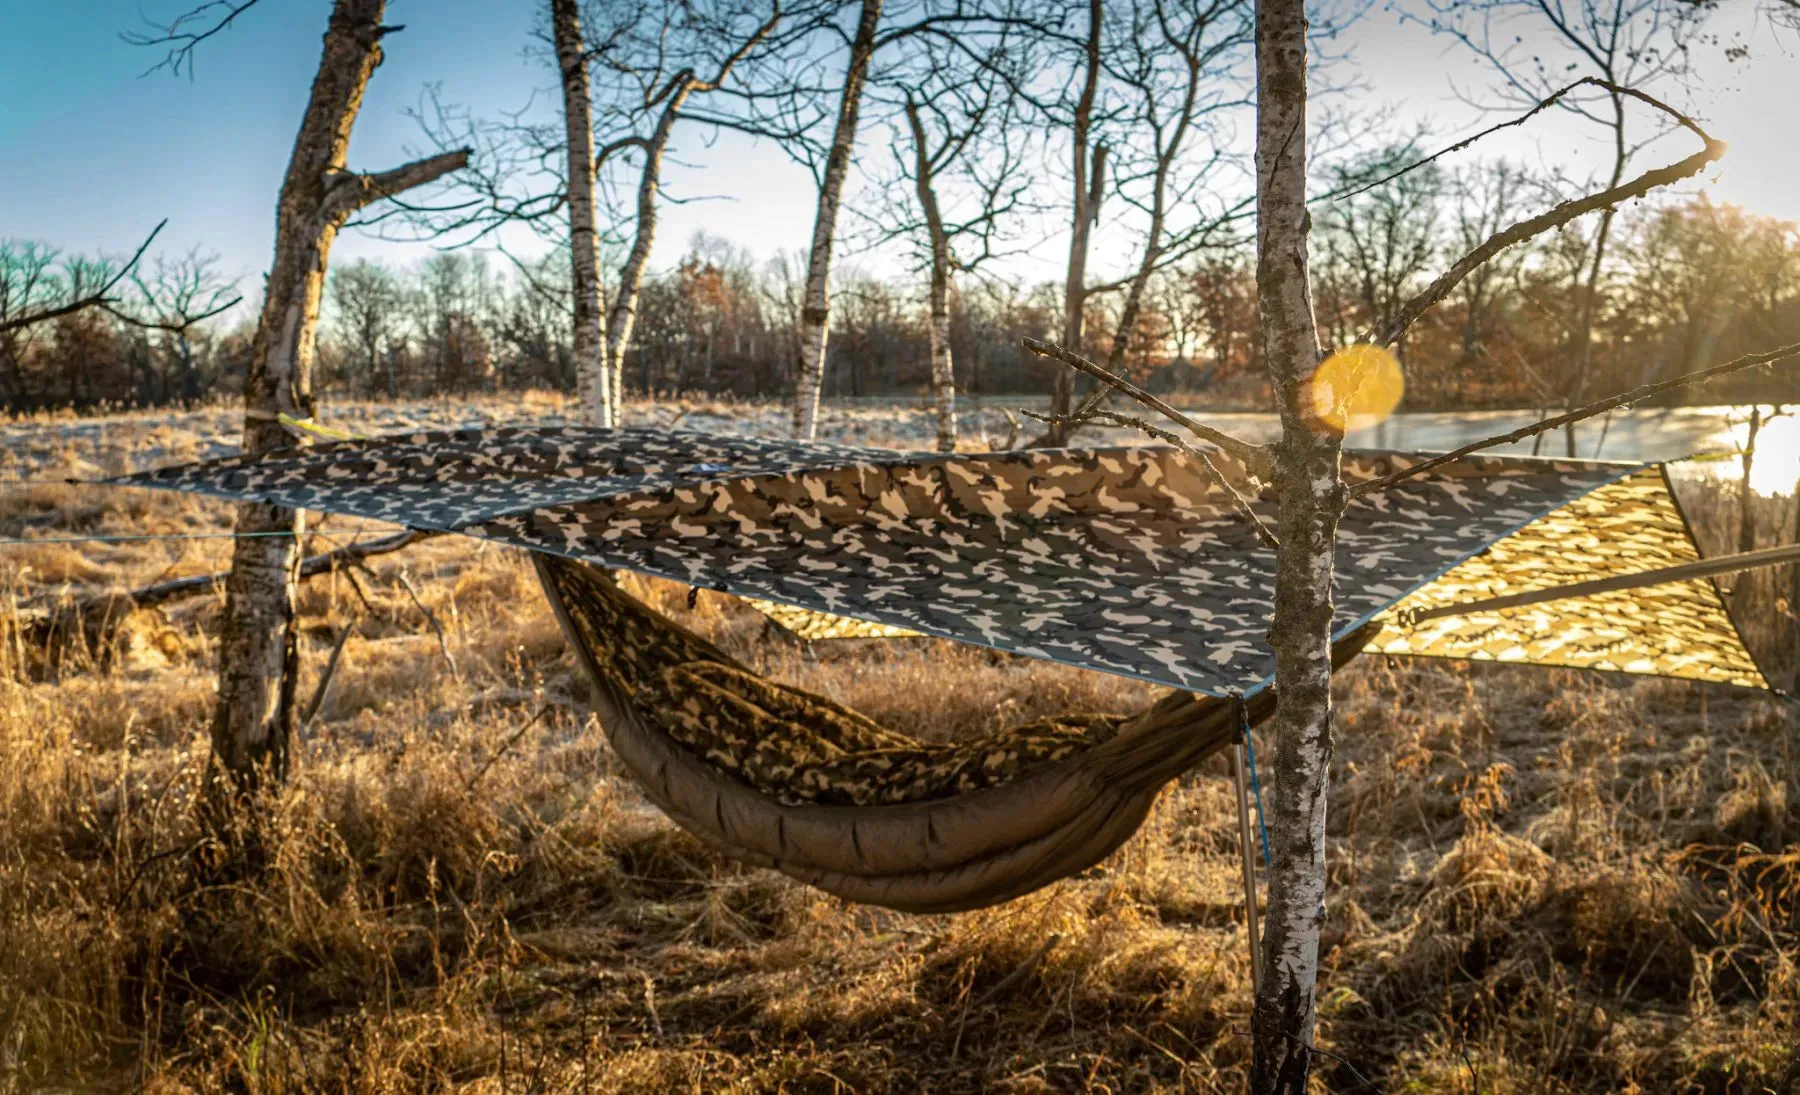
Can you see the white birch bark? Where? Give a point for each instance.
(1310, 496)
(631, 275)
(815, 309)
(254, 721)
(594, 386)
(673, 98)
(943, 373)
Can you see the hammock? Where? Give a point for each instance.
(1125, 560)
(782, 778)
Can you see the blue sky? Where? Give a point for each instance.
(92, 153)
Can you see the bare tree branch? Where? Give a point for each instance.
(1241, 503)
(181, 41)
(171, 326)
(1589, 81)
(352, 190)
(1255, 457)
(99, 298)
(38, 622)
(1538, 225)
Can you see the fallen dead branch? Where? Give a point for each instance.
(93, 617)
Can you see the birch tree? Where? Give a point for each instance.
(594, 383)
(258, 660)
(1310, 496)
(627, 82)
(1087, 182)
(1172, 69)
(958, 148)
(815, 302)
(954, 23)
(927, 162)
(1180, 64)
(650, 104)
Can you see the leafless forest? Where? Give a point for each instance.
(297, 803)
(1683, 286)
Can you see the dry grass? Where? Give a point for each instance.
(1543, 881)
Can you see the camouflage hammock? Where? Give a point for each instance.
(1125, 560)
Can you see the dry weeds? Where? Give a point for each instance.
(1544, 881)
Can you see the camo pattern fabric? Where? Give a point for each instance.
(1127, 560)
(1681, 629)
(792, 745)
(823, 626)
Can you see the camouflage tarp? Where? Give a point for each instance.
(1126, 560)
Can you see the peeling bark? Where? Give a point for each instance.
(594, 385)
(255, 717)
(815, 308)
(1310, 496)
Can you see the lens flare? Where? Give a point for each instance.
(1356, 387)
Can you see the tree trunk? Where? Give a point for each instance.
(815, 311)
(1590, 298)
(631, 276)
(1310, 495)
(1793, 600)
(190, 382)
(1746, 496)
(1088, 184)
(254, 720)
(594, 386)
(943, 373)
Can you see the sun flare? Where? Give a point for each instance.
(1356, 387)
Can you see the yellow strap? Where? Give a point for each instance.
(313, 427)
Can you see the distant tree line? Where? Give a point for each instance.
(1686, 285)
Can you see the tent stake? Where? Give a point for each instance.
(1247, 850)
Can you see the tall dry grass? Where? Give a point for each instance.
(1542, 881)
